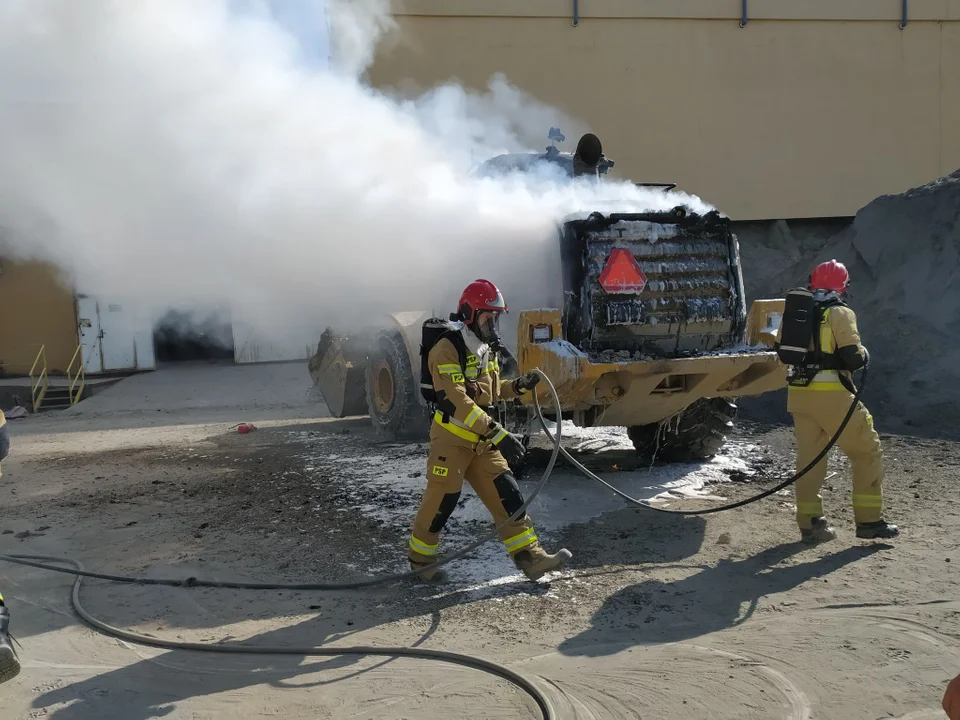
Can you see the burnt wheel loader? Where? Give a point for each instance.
(654, 335)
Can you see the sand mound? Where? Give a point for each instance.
(903, 253)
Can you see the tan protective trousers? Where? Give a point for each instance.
(449, 464)
(816, 416)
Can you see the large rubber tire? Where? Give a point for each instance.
(700, 433)
(393, 392)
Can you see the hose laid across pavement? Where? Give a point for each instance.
(44, 562)
(476, 663)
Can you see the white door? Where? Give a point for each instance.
(89, 323)
(116, 336)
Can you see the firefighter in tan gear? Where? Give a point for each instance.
(9, 664)
(460, 375)
(820, 392)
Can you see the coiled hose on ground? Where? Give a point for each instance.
(45, 562)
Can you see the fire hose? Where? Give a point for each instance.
(740, 503)
(44, 562)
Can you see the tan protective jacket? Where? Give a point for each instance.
(469, 422)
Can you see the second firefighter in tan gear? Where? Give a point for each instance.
(466, 443)
(819, 408)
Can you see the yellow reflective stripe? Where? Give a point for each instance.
(527, 537)
(826, 334)
(868, 501)
(453, 421)
(831, 386)
(472, 360)
(499, 436)
(422, 547)
(810, 508)
(491, 366)
(473, 417)
(448, 368)
(453, 428)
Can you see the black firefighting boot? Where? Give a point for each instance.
(9, 663)
(819, 533)
(879, 530)
(535, 562)
(436, 575)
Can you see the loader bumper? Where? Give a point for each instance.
(638, 392)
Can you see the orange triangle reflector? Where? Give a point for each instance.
(622, 273)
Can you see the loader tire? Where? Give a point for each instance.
(393, 392)
(699, 435)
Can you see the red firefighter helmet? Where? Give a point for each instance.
(830, 275)
(480, 295)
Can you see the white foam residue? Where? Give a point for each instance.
(563, 348)
(387, 488)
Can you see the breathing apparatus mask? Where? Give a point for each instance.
(488, 330)
(486, 326)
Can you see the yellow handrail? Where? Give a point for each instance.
(81, 376)
(37, 392)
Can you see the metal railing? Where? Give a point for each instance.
(80, 377)
(40, 383)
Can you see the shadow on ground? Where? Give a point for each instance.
(710, 600)
(153, 687)
(707, 601)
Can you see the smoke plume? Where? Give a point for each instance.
(208, 153)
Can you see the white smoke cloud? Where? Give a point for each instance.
(198, 153)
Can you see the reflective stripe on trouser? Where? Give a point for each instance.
(461, 430)
(447, 467)
(816, 417)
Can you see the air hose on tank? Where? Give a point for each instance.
(55, 564)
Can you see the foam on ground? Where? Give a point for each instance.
(387, 487)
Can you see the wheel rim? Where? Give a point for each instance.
(383, 387)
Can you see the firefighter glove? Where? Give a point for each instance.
(527, 382)
(509, 445)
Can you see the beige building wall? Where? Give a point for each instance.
(812, 109)
(36, 309)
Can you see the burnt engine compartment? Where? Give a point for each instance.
(691, 300)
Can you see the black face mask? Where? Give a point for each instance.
(489, 330)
